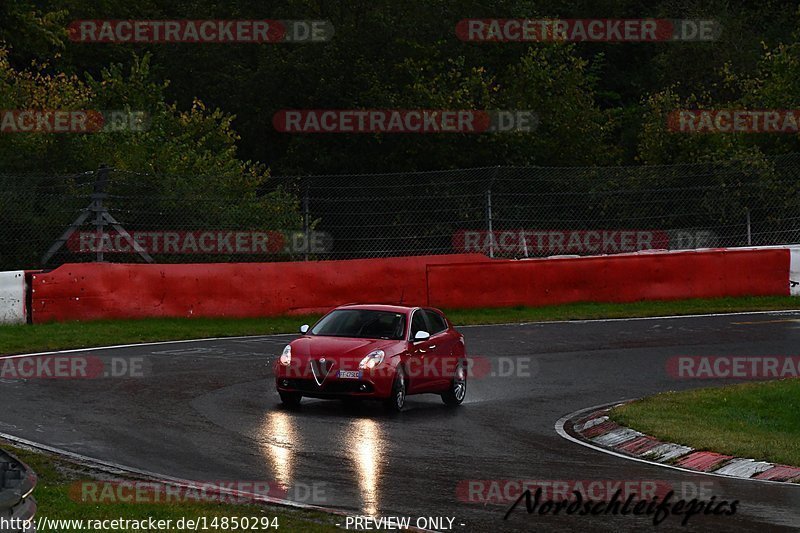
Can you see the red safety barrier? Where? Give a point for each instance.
(117, 291)
(619, 278)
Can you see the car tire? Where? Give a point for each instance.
(397, 400)
(458, 388)
(290, 399)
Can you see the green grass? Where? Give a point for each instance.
(588, 310)
(755, 420)
(53, 497)
(63, 335)
(54, 336)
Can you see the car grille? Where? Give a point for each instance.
(331, 387)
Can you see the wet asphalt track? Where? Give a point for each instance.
(207, 410)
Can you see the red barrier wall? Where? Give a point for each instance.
(618, 278)
(113, 291)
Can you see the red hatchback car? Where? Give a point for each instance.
(378, 352)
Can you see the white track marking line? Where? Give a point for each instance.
(154, 343)
(254, 337)
(630, 319)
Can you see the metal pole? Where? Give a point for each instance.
(490, 236)
(749, 234)
(489, 221)
(97, 206)
(305, 222)
(99, 223)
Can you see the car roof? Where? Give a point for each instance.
(379, 307)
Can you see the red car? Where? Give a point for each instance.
(378, 352)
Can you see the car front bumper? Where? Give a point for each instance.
(370, 384)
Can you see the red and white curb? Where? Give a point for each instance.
(593, 428)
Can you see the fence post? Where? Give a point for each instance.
(749, 233)
(306, 231)
(97, 206)
(489, 221)
(490, 236)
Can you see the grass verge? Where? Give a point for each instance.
(55, 501)
(752, 420)
(55, 336)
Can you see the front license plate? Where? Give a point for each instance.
(349, 374)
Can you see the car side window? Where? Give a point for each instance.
(436, 321)
(418, 323)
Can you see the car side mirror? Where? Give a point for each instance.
(421, 336)
(304, 329)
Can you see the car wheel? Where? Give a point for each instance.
(290, 399)
(458, 388)
(396, 402)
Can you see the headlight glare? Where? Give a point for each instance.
(371, 360)
(286, 356)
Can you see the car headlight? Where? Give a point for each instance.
(286, 356)
(372, 360)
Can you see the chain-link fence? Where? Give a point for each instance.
(126, 216)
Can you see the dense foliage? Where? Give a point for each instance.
(599, 103)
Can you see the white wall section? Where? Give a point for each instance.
(12, 297)
(794, 270)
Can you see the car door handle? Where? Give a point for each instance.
(432, 347)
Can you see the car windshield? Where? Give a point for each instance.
(362, 323)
